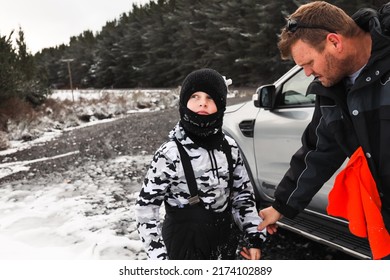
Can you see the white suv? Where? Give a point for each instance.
(268, 130)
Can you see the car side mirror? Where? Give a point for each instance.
(265, 97)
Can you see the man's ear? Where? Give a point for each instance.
(335, 41)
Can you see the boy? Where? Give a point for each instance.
(200, 176)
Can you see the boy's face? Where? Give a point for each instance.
(201, 103)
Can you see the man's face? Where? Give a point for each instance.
(327, 65)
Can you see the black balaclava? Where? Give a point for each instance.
(204, 130)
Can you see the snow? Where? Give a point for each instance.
(75, 217)
(87, 213)
(84, 214)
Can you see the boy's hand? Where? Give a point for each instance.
(251, 254)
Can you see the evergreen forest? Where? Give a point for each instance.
(156, 45)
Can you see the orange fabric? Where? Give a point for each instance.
(355, 197)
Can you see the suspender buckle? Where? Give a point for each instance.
(194, 200)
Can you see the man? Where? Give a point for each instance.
(350, 60)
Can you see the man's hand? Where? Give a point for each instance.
(251, 254)
(270, 216)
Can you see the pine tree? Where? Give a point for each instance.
(158, 44)
(8, 73)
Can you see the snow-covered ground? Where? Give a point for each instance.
(83, 214)
(86, 213)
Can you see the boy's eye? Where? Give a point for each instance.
(199, 96)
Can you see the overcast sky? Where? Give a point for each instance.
(48, 23)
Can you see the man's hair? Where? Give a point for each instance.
(324, 17)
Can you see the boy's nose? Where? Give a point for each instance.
(203, 102)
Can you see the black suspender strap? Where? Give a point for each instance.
(189, 173)
(228, 152)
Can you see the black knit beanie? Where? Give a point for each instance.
(208, 81)
(204, 130)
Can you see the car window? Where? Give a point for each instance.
(294, 91)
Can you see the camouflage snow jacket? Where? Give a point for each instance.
(165, 182)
